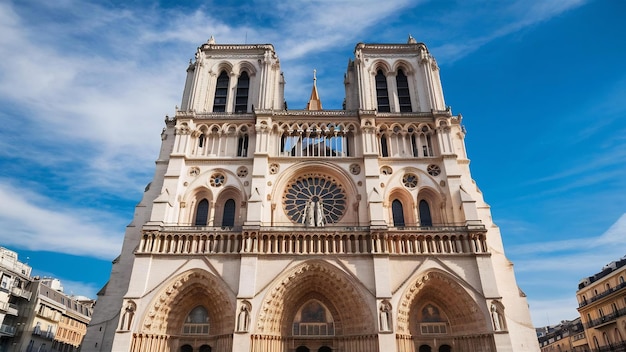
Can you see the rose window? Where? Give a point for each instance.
(409, 180)
(217, 179)
(433, 170)
(314, 200)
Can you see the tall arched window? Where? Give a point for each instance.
(197, 322)
(241, 98)
(398, 213)
(242, 145)
(425, 218)
(228, 219)
(404, 97)
(221, 93)
(201, 140)
(382, 94)
(202, 213)
(384, 149)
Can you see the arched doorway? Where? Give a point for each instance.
(324, 349)
(445, 348)
(302, 349)
(425, 348)
(186, 348)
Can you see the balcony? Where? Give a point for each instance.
(7, 330)
(8, 308)
(449, 240)
(602, 295)
(20, 292)
(605, 320)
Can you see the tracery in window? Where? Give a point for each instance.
(217, 179)
(409, 180)
(331, 140)
(314, 200)
(197, 322)
(221, 93)
(313, 319)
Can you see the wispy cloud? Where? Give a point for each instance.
(34, 222)
(554, 268)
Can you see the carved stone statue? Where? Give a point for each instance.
(319, 214)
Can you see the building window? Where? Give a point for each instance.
(242, 145)
(221, 93)
(241, 98)
(384, 149)
(382, 94)
(197, 322)
(425, 216)
(228, 219)
(313, 319)
(202, 213)
(205, 348)
(6, 280)
(398, 213)
(186, 348)
(404, 97)
(201, 140)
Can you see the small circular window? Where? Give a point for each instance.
(409, 180)
(242, 171)
(217, 179)
(433, 170)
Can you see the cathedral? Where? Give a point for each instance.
(267, 229)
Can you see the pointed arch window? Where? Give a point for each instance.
(202, 213)
(242, 145)
(228, 219)
(398, 213)
(425, 216)
(384, 148)
(201, 140)
(313, 319)
(197, 322)
(404, 97)
(221, 93)
(241, 98)
(382, 94)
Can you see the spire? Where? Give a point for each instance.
(314, 102)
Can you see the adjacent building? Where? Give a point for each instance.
(55, 321)
(568, 336)
(268, 229)
(36, 315)
(602, 307)
(15, 294)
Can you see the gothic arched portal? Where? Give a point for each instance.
(435, 308)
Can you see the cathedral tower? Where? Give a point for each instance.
(355, 230)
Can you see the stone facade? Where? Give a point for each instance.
(602, 307)
(267, 229)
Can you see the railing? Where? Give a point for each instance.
(313, 329)
(606, 319)
(9, 308)
(315, 241)
(602, 295)
(7, 330)
(20, 292)
(619, 347)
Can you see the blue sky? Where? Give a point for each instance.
(85, 85)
